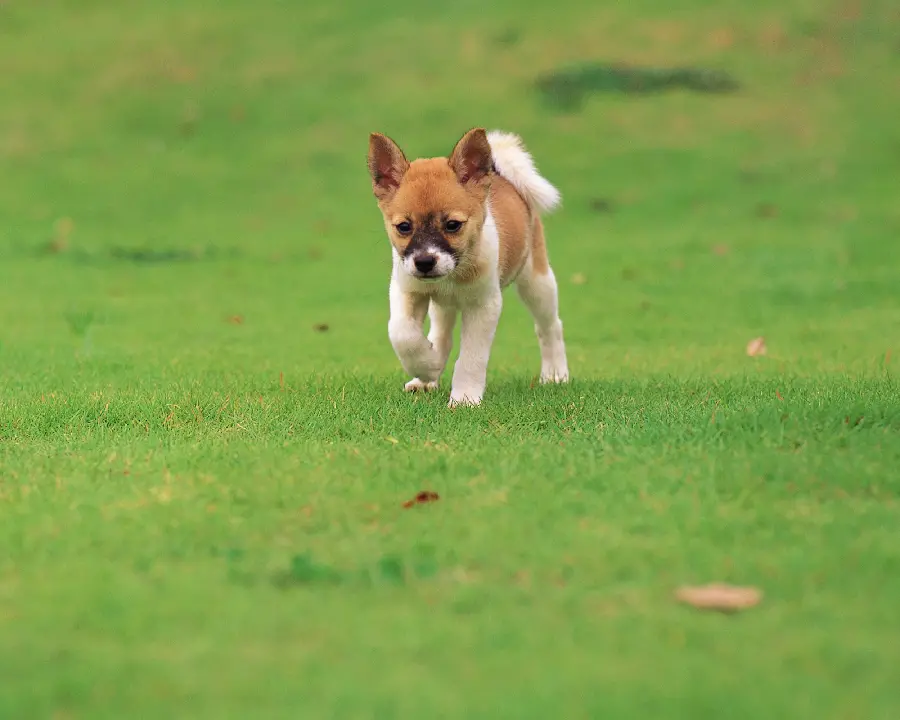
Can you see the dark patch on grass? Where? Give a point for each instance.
(143, 255)
(567, 89)
(602, 205)
(80, 322)
(397, 570)
(508, 37)
(153, 255)
(392, 570)
(303, 570)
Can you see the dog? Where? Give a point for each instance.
(463, 228)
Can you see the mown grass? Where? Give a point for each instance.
(204, 446)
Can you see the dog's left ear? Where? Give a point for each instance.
(387, 165)
(471, 159)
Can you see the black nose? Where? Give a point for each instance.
(425, 263)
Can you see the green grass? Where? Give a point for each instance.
(201, 492)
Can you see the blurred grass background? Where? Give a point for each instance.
(199, 399)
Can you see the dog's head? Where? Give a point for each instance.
(434, 208)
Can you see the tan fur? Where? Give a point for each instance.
(539, 262)
(430, 186)
(514, 228)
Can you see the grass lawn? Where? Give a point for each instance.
(204, 443)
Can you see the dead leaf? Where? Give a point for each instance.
(721, 250)
(579, 279)
(236, 319)
(426, 496)
(62, 230)
(757, 347)
(190, 116)
(718, 596)
(767, 210)
(320, 327)
(779, 396)
(722, 38)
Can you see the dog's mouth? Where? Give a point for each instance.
(430, 275)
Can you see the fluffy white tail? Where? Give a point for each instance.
(514, 163)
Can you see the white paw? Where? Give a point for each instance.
(554, 376)
(462, 399)
(416, 385)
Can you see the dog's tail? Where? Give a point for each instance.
(513, 162)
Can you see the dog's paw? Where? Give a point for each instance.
(461, 399)
(554, 376)
(416, 385)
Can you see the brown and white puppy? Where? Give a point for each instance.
(463, 228)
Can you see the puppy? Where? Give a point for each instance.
(463, 228)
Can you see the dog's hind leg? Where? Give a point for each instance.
(537, 288)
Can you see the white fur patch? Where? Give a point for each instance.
(444, 265)
(515, 164)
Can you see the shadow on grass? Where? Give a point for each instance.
(141, 255)
(567, 89)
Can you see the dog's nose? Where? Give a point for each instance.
(425, 263)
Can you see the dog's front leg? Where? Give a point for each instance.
(416, 354)
(479, 325)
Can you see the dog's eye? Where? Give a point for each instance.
(404, 228)
(452, 226)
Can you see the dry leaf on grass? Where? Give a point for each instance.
(767, 210)
(320, 327)
(757, 347)
(62, 230)
(236, 319)
(426, 496)
(717, 596)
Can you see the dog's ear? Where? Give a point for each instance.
(471, 159)
(387, 165)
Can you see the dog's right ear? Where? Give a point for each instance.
(387, 165)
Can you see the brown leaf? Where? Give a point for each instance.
(718, 596)
(236, 319)
(320, 327)
(721, 249)
(767, 210)
(722, 38)
(426, 496)
(62, 230)
(757, 347)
